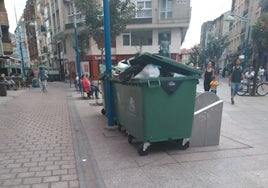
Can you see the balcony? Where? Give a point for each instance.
(7, 47)
(3, 19)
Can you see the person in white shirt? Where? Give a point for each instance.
(261, 74)
(76, 82)
(249, 74)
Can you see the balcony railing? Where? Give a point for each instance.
(7, 47)
(3, 18)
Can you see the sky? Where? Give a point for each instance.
(11, 5)
(202, 11)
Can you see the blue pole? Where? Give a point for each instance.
(22, 59)
(107, 29)
(77, 50)
(244, 64)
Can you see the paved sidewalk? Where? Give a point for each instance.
(36, 148)
(239, 161)
(56, 138)
(11, 94)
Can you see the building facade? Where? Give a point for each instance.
(240, 28)
(155, 19)
(52, 39)
(215, 29)
(5, 41)
(143, 34)
(22, 46)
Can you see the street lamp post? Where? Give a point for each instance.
(21, 51)
(208, 28)
(77, 49)
(248, 20)
(107, 28)
(22, 59)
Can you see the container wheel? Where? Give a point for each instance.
(119, 127)
(103, 111)
(183, 146)
(130, 139)
(143, 149)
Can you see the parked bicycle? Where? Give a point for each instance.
(246, 88)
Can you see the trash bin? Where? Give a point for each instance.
(104, 98)
(104, 94)
(3, 89)
(207, 120)
(157, 109)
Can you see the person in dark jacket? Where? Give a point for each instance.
(207, 75)
(235, 79)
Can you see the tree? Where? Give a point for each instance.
(216, 47)
(121, 12)
(214, 50)
(195, 56)
(264, 5)
(260, 43)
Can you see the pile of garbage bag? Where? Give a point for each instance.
(147, 65)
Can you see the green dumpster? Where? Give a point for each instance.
(104, 98)
(157, 109)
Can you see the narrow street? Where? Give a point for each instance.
(60, 140)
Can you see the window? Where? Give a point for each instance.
(126, 39)
(141, 38)
(145, 9)
(181, 1)
(166, 9)
(138, 38)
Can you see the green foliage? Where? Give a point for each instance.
(83, 42)
(214, 50)
(196, 56)
(260, 42)
(264, 5)
(260, 33)
(215, 47)
(121, 12)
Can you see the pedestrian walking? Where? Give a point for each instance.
(235, 79)
(43, 76)
(214, 84)
(66, 76)
(207, 75)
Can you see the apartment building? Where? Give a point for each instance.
(56, 44)
(216, 28)
(22, 45)
(146, 30)
(240, 28)
(143, 34)
(5, 41)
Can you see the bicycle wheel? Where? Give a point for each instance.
(262, 89)
(243, 90)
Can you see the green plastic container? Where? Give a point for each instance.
(157, 109)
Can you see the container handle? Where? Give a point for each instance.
(151, 84)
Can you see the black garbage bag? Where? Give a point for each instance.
(130, 72)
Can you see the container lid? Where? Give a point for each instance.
(166, 65)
